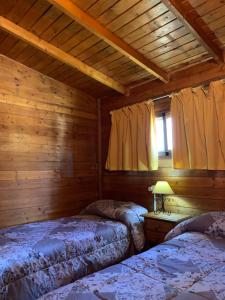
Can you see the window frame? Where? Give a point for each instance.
(166, 153)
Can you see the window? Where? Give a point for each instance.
(164, 134)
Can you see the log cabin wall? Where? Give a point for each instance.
(196, 191)
(48, 149)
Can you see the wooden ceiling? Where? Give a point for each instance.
(117, 44)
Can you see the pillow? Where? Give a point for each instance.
(127, 212)
(211, 223)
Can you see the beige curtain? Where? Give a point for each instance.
(132, 145)
(198, 128)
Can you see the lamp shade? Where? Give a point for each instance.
(162, 187)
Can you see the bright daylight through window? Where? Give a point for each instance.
(164, 134)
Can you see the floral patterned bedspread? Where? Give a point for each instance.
(128, 213)
(39, 257)
(189, 266)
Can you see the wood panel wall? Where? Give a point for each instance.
(195, 191)
(48, 148)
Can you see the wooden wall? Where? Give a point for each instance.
(48, 149)
(196, 191)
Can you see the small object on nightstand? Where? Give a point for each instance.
(158, 225)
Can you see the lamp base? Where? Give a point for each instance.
(162, 208)
(160, 211)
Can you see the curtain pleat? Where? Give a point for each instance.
(198, 128)
(132, 145)
(215, 126)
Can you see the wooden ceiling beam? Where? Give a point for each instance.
(59, 54)
(193, 76)
(190, 18)
(92, 25)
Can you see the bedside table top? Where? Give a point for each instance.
(173, 217)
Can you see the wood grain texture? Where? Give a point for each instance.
(48, 149)
(147, 26)
(78, 15)
(58, 54)
(155, 230)
(195, 191)
(192, 76)
(189, 17)
(213, 14)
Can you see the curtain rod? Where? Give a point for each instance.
(203, 85)
(160, 97)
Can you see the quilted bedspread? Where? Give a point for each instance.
(39, 257)
(128, 213)
(190, 265)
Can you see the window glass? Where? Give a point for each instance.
(160, 134)
(164, 134)
(169, 133)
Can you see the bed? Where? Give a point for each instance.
(38, 257)
(190, 265)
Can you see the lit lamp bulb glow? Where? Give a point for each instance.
(162, 188)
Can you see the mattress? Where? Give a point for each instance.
(39, 257)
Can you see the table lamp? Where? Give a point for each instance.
(163, 188)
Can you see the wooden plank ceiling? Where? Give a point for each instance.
(150, 27)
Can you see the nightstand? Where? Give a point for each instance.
(156, 226)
